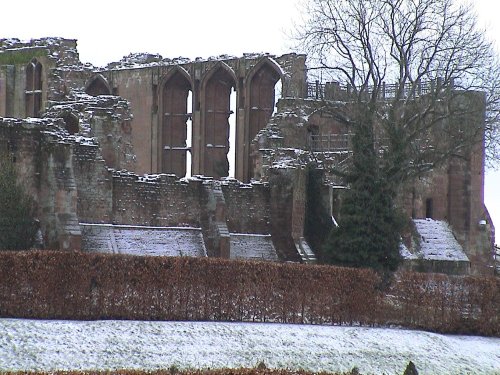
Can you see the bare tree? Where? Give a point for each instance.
(408, 63)
(416, 76)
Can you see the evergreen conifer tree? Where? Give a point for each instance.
(17, 225)
(369, 228)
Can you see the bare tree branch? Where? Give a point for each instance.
(364, 44)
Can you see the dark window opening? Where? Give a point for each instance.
(241, 98)
(313, 134)
(429, 208)
(217, 127)
(97, 87)
(262, 102)
(154, 107)
(175, 125)
(71, 124)
(197, 94)
(33, 104)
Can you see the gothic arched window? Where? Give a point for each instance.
(33, 88)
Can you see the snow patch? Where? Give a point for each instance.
(44, 345)
(252, 247)
(437, 241)
(141, 240)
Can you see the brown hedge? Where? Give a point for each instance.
(59, 285)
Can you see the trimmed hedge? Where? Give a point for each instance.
(62, 285)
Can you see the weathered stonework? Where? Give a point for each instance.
(102, 128)
(305, 133)
(43, 160)
(107, 119)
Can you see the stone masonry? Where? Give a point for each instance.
(84, 137)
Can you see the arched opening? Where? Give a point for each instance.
(33, 99)
(174, 126)
(30, 68)
(38, 76)
(262, 98)
(98, 86)
(231, 155)
(218, 91)
(189, 138)
(72, 125)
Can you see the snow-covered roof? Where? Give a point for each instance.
(142, 240)
(252, 247)
(437, 241)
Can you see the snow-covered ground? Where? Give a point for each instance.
(64, 345)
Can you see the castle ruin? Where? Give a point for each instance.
(137, 156)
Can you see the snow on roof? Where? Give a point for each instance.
(437, 241)
(252, 247)
(142, 240)
(405, 253)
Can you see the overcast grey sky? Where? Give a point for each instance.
(108, 30)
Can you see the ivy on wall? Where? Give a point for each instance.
(22, 56)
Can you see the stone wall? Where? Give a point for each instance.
(156, 200)
(74, 159)
(69, 180)
(55, 56)
(310, 133)
(436, 266)
(281, 181)
(247, 207)
(94, 181)
(136, 86)
(142, 79)
(43, 159)
(106, 119)
(145, 80)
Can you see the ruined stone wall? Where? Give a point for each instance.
(94, 182)
(68, 172)
(467, 212)
(136, 86)
(452, 192)
(455, 191)
(142, 82)
(54, 54)
(295, 82)
(22, 140)
(13, 80)
(281, 181)
(287, 139)
(60, 49)
(107, 119)
(141, 79)
(43, 160)
(433, 186)
(247, 207)
(69, 180)
(59, 197)
(156, 200)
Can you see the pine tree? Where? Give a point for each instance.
(412, 71)
(369, 228)
(17, 225)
